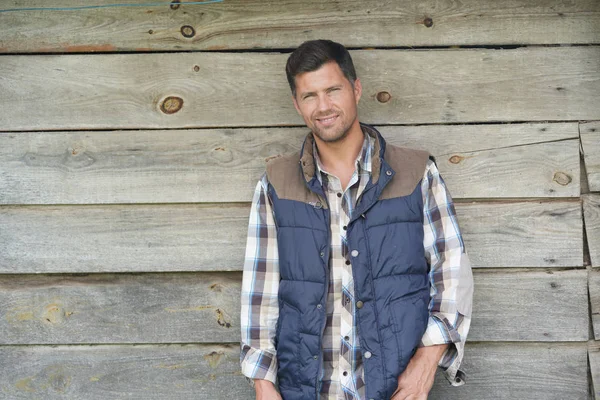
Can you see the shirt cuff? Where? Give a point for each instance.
(441, 331)
(258, 364)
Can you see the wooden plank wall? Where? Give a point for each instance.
(131, 139)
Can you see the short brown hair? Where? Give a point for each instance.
(312, 54)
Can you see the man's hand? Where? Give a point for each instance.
(417, 379)
(265, 390)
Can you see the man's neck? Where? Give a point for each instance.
(341, 155)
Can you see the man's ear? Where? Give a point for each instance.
(357, 89)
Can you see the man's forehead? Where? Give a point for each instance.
(329, 74)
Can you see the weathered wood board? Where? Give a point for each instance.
(591, 213)
(522, 234)
(111, 91)
(494, 370)
(244, 24)
(594, 290)
(594, 360)
(136, 238)
(590, 143)
(180, 308)
(506, 306)
(520, 371)
(178, 166)
(115, 372)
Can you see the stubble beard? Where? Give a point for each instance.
(333, 135)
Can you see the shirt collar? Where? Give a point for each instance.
(363, 160)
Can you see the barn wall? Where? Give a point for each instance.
(131, 138)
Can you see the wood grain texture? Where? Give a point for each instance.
(506, 306)
(243, 24)
(590, 144)
(594, 359)
(122, 238)
(498, 371)
(594, 291)
(111, 91)
(117, 372)
(591, 213)
(184, 307)
(520, 371)
(122, 308)
(522, 234)
(151, 238)
(223, 165)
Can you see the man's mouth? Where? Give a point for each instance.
(327, 120)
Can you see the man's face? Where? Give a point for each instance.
(327, 101)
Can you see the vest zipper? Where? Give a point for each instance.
(320, 365)
(375, 305)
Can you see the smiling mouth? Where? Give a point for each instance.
(327, 120)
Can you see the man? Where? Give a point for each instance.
(356, 283)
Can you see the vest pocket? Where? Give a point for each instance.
(409, 320)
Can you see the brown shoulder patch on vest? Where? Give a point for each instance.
(409, 165)
(285, 175)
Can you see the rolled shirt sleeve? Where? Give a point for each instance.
(260, 284)
(450, 276)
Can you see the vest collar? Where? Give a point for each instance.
(307, 158)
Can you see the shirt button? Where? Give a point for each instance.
(346, 338)
(367, 354)
(322, 254)
(347, 262)
(354, 253)
(315, 357)
(319, 306)
(359, 304)
(339, 195)
(344, 227)
(345, 373)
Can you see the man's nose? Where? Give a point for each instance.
(324, 102)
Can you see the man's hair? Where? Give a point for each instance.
(312, 54)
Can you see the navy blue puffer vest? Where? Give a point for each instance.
(390, 271)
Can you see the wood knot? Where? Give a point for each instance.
(456, 159)
(53, 314)
(217, 287)
(383, 97)
(214, 358)
(196, 68)
(428, 22)
(221, 319)
(188, 31)
(171, 104)
(562, 179)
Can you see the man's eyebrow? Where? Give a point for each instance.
(304, 94)
(338, 86)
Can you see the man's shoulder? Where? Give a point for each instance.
(282, 165)
(410, 165)
(395, 151)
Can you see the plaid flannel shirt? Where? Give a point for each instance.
(342, 374)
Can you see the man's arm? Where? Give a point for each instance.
(260, 285)
(451, 292)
